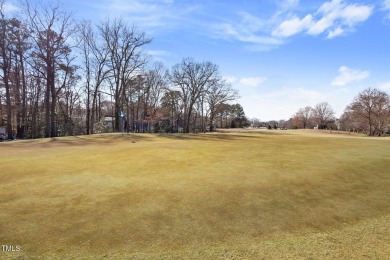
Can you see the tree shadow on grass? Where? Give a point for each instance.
(100, 139)
(212, 136)
(81, 140)
(113, 138)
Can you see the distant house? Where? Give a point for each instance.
(338, 124)
(109, 121)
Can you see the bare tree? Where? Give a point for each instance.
(323, 114)
(154, 86)
(5, 63)
(51, 27)
(95, 59)
(304, 116)
(172, 107)
(21, 46)
(193, 79)
(255, 122)
(35, 86)
(126, 58)
(42, 97)
(372, 106)
(67, 95)
(349, 122)
(219, 93)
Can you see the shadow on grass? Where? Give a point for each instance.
(101, 138)
(112, 138)
(210, 136)
(252, 131)
(81, 140)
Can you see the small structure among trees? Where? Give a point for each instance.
(319, 117)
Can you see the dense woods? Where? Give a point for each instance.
(63, 77)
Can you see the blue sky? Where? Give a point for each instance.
(280, 54)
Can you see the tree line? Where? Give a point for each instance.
(321, 116)
(369, 113)
(63, 77)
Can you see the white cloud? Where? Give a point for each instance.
(252, 81)
(291, 3)
(229, 79)
(250, 23)
(386, 7)
(384, 85)
(320, 26)
(249, 29)
(286, 5)
(281, 103)
(158, 53)
(334, 18)
(348, 75)
(353, 14)
(386, 4)
(293, 26)
(10, 8)
(336, 32)
(148, 13)
(307, 94)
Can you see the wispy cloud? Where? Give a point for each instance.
(384, 85)
(386, 4)
(256, 32)
(146, 13)
(158, 53)
(229, 79)
(249, 29)
(293, 26)
(386, 7)
(281, 103)
(288, 4)
(296, 94)
(333, 18)
(252, 81)
(348, 75)
(307, 94)
(245, 82)
(10, 8)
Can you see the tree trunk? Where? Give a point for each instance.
(5, 69)
(9, 108)
(24, 98)
(211, 122)
(187, 121)
(116, 116)
(88, 108)
(18, 103)
(53, 131)
(94, 110)
(47, 106)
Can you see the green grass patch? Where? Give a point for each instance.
(206, 196)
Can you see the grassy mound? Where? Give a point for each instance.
(207, 196)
